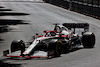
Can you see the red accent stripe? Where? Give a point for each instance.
(38, 56)
(27, 56)
(12, 56)
(41, 36)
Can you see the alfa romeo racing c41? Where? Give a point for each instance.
(60, 40)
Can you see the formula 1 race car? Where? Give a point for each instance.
(61, 40)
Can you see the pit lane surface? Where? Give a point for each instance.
(41, 17)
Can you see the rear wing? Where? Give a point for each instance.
(77, 25)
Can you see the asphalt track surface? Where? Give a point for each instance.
(39, 16)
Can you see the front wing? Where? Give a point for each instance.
(17, 54)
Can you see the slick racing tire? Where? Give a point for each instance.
(17, 45)
(54, 49)
(88, 40)
(58, 49)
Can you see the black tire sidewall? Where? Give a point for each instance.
(88, 41)
(58, 48)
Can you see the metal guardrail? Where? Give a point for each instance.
(88, 9)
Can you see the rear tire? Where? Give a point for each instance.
(88, 40)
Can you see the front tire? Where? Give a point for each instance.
(54, 48)
(17, 45)
(58, 49)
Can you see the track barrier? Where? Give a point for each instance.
(92, 10)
